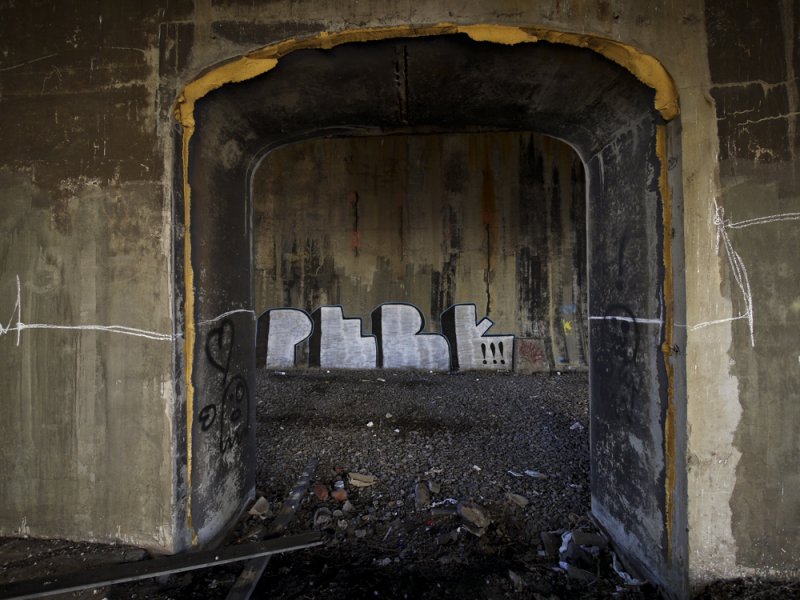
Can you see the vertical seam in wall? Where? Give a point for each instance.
(791, 80)
(666, 347)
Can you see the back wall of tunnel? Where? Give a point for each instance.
(448, 84)
(494, 219)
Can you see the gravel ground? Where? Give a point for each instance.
(471, 480)
(512, 448)
(466, 432)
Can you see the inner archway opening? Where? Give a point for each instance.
(494, 221)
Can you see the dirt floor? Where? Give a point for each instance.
(428, 485)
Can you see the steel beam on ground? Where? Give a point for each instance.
(121, 573)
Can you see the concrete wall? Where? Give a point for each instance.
(754, 60)
(87, 186)
(496, 219)
(87, 433)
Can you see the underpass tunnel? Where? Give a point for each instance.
(446, 85)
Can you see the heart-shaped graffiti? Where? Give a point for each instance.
(219, 346)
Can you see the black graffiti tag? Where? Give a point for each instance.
(231, 413)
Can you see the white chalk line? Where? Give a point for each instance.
(228, 314)
(152, 335)
(19, 326)
(762, 220)
(738, 268)
(737, 265)
(628, 319)
(716, 322)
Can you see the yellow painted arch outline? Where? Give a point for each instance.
(644, 67)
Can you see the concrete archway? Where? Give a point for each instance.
(614, 105)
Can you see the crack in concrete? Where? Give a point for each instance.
(790, 116)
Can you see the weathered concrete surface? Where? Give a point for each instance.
(85, 114)
(755, 87)
(86, 437)
(498, 219)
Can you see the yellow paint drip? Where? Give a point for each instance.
(498, 34)
(189, 337)
(242, 69)
(646, 68)
(666, 348)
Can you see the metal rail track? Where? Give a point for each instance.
(256, 553)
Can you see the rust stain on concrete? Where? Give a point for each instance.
(355, 234)
(488, 204)
(667, 345)
(489, 222)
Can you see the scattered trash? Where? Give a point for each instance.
(260, 508)
(518, 582)
(446, 501)
(498, 516)
(520, 501)
(536, 474)
(320, 491)
(566, 538)
(404, 490)
(361, 480)
(381, 379)
(322, 518)
(551, 541)
(576, 426)
(370, 424)
(472, 528)
(422, 496)
(473, 514)
(628, 579)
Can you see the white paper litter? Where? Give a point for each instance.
(629, 580)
